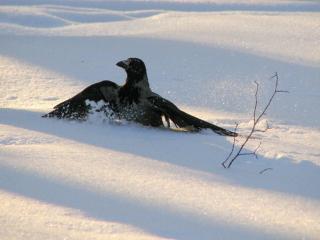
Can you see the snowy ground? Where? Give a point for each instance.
(66, 180)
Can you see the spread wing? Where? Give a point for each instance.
(183, 119)
(76, 107)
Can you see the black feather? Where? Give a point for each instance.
(185, 120)
(76, 108)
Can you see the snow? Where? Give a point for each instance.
(107, 180)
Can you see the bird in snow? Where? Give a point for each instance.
(134, 101)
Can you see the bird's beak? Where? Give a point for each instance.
(124, 64)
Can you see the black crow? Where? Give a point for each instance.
(134, 101)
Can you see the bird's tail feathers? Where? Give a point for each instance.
(185, 120)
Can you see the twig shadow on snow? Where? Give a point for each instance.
(200, 152)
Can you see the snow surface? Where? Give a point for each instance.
(100, 180)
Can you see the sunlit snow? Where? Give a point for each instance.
(112, 180)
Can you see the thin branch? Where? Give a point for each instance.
(256, 120)
(255, 151)
(234, 143)
(266, 128)
(251, 153)
(271, 98)
(264, 170)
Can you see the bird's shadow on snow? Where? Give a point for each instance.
(197, 152)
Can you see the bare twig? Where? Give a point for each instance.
(264, 170)
(234, 143)
(256, 119)
(252, 153)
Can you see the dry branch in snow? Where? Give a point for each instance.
(256, 119)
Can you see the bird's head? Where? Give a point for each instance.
(134, 67)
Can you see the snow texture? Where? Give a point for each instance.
(113, 180)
